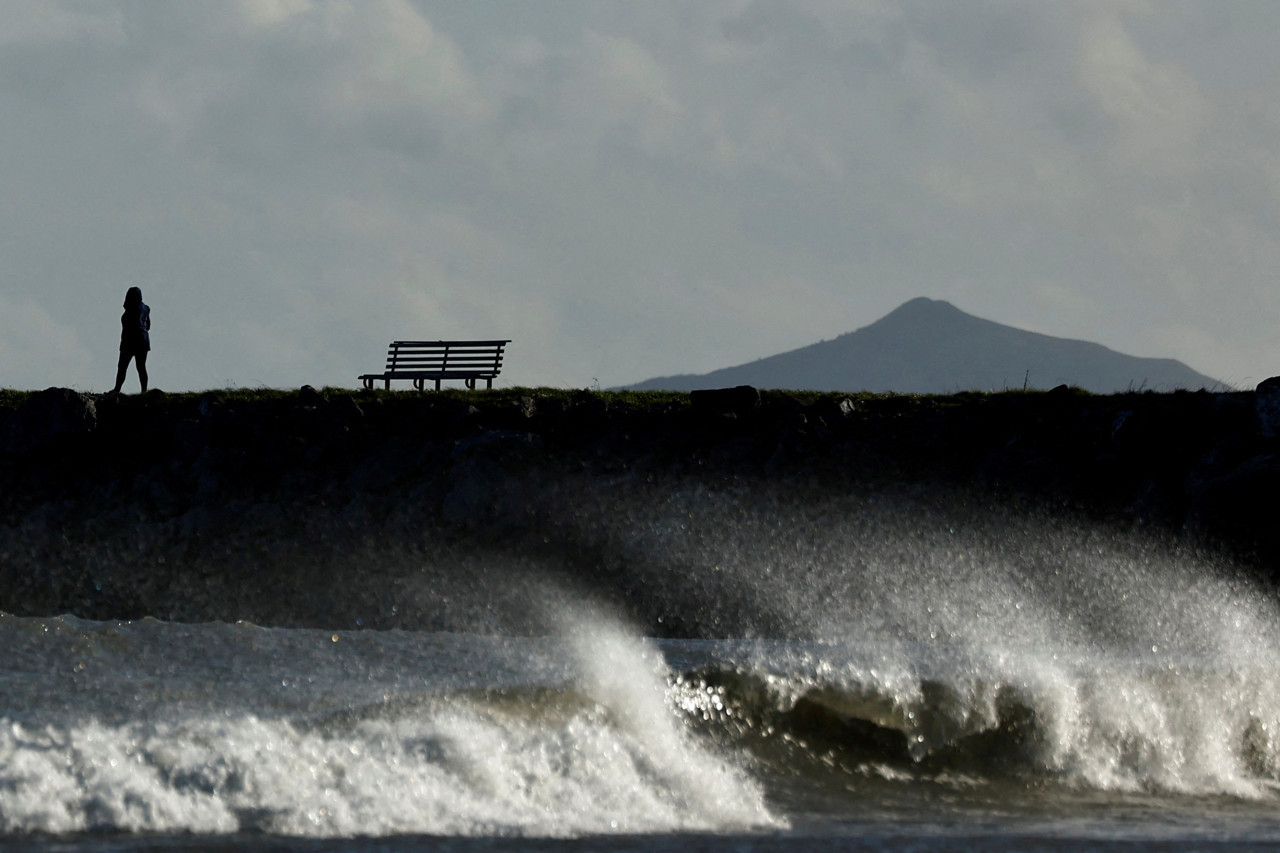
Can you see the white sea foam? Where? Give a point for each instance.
(604, 756)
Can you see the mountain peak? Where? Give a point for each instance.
(923, 305)
(929, 346)
(923, 310)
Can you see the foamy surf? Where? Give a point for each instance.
(600, 734)
(595, 750)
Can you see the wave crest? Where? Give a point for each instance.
(1165, 729)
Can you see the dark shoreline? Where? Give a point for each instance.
(344, 509)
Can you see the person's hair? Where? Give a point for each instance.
(133, 297)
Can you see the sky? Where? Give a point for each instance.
(627, 189)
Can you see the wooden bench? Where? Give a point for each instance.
(419, 361)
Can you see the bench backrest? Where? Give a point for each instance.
(445, 356)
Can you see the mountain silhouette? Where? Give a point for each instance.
(927, 346)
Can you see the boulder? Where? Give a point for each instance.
(348, 408)
(586, 413)
(739, 401)
(46, 415)
(833, 411)
(1267, 406)
(211, 403)
(310, 398)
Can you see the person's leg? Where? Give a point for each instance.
(142, 370)
(120, 369)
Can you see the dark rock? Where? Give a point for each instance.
(793, 421)
(738, 401)
(584, 415)
(347, 408)
(46, 415)
(834, 411)
(789, 403)
(589, 404)
(1267, 407)
(449, 412)
(310, 398)
(210, 404)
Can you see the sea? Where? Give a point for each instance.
(928, 680)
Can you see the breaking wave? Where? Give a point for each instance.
(592, 747)
(1086, 722)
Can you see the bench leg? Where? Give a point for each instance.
(386, 384)
(417, 384)
(437, 384)
(488, 383)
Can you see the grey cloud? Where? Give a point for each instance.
(629, 189)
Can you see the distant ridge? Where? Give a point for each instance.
(927, 346)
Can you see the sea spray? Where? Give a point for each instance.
(963, 636)
(628, 677)
(746, 559)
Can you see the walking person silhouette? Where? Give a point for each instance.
(135, 337)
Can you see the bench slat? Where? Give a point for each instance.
(441, 365)
(469, 356)
(451, 359)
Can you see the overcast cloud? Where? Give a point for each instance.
(628, 189)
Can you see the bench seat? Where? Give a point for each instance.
(420, 361)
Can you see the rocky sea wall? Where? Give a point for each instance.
(467, 511)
